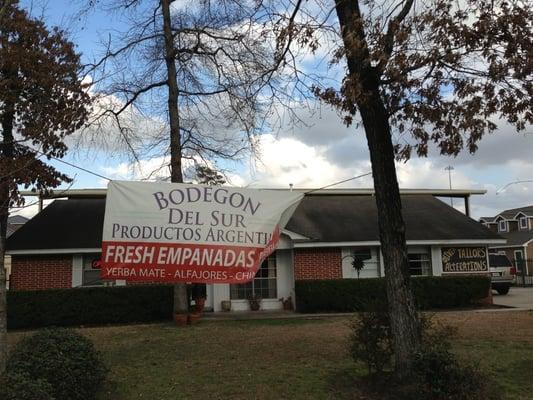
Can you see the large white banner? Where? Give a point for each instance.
(169, 232)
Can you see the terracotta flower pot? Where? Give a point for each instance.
(200, 304)
(193, 318)
(181, 319)
(225, 305)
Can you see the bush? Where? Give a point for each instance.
(88, 306)
(19, 386)
(440, 376)
(63, 358)
(371, 341)
(348, 295)
(437, 373)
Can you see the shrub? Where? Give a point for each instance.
(20, 386)
(440, 376)
(64, 359)
(88, 306)
(371, 341)
(437, 373)
(347, 295)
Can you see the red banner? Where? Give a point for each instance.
(199, 263)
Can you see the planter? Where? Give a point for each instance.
(181, 319)
(199, 304)
(287, 303)
(194, 318)
(225, 305)
(255, 305)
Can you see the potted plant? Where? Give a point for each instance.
(287, 303)
(225, 305)
(255, 302)
(199, 304)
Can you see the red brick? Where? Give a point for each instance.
(317, 263)
(41, 272)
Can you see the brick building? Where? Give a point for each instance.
(59, 247)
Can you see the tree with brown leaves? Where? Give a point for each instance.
(42, 100)
(420, 74)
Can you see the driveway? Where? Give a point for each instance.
(519, 297)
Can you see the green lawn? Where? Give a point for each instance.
(286, 359)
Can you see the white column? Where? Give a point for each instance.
(436, 260)
(77, 270)
(220, 292)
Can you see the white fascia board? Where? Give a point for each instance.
(52, 251)
(409, 243)
(294, 235)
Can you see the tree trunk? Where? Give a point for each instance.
(6, 152)
(181, 301)
(3, 291)
(405, 325)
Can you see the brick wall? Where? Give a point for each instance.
(41, 272)
(317, 263)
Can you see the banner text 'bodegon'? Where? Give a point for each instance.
(185, 233)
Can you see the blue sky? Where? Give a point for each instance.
(318, 152)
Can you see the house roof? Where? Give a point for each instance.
(487, 219)
(517, 238)
(77, 223)
(64, 224)
(354, 218)
(15, 222)
(512, 212)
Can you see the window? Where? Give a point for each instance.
(523, 223)
(370, 262)
(91, 275)
(518, 260)
(419, 264)
(264, 284)
(503, 226)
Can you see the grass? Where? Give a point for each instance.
(286, 358)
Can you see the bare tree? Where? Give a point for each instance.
(42, 100)
(416, 74)
(204, 74)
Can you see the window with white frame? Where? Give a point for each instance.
(523, 223)
(368, 262)
(419, 263)
(502, 226)
(91, 270)
(264, 284)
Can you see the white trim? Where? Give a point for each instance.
(524, 218)
(409, 243)
(77, 270)
(506, 226)
(294, 235)
(518, 251)
(54, 251)
(523, 213)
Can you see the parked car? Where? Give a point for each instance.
(502, 273)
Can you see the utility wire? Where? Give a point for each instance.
(77, 166)
(339, 182)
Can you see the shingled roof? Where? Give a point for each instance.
(330, 218)
(64, 224)
(77, 223)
